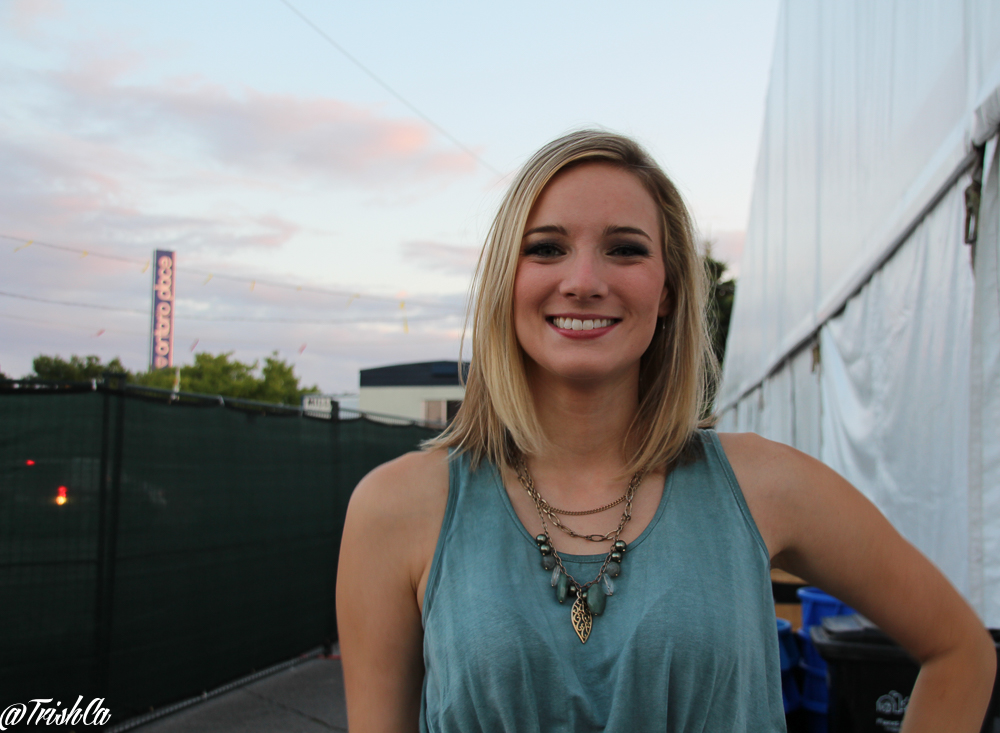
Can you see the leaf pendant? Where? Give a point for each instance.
(583, 621)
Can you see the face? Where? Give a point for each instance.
(590, 278)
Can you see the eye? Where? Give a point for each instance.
(629, 250)
(544, 250)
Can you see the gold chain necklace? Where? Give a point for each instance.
(599, 509)
(551, 512)
(590, 597)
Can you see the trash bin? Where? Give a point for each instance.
(871, 677)
(816, 606)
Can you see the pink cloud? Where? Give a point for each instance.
(257, 133)
(24, 15)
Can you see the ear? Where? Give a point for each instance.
(665, 302)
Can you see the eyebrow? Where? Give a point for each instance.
(608, 230)
(612, 229)
(547, 229)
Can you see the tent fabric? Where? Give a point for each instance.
(861, 333)
(786, 407)
(871, 108)
(984, 443)
(895, 389)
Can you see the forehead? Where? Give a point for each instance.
(595, 192)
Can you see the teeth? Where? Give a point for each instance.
(575, 324)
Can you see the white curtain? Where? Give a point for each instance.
(984, 438)
(895, 388)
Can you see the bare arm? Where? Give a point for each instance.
(819, 527)
(389, 538)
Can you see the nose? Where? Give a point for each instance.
(583, 278)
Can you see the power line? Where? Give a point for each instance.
(227, 319)
(412, 107)
(244, 279)
(73, 303)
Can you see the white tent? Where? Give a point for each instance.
(866, 331)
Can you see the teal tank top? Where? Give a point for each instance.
(688, 641)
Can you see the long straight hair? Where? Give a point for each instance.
(497, 419)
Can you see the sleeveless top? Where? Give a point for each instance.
(688, 641)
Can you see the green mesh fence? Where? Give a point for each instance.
(197, 542)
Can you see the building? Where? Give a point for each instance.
(429, 390)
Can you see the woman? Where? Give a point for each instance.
(573, 553)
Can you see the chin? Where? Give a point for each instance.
(588, 374)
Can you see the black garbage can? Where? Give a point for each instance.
(870, 677)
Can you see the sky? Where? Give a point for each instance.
(327, 171)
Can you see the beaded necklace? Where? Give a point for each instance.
(590, 597)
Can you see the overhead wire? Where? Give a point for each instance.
(250, 278)
(227, 319)
(382, 83)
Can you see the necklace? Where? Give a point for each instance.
(599, 509)
(590, 597)
(543, 507)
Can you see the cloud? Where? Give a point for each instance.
(449, 258)
(259, 134)
(23, 15)
(88, 157)
(86, 192)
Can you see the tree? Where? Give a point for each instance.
(77, 369)
(210, 374)
(720, 302)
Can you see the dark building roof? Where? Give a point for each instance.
(421, 374)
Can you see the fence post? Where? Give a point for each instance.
(112, 438)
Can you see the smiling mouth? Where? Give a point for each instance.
(576, 324)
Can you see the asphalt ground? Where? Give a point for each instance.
(305, 698)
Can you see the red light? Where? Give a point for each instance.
(29, 462)
(62, 491)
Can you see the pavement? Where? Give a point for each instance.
(305, 698)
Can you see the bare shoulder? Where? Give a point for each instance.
(404, 498)
(752, 455)
(404, 484)
(779, 484)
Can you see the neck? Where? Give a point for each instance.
(586, 426)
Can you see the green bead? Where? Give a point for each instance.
(541, 539)
(548, 562)
(596, 599)
(545, 549)
(619, 546)
(613, 569)
(617, 557)
(562, 588)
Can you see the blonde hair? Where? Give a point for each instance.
(497, 419)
